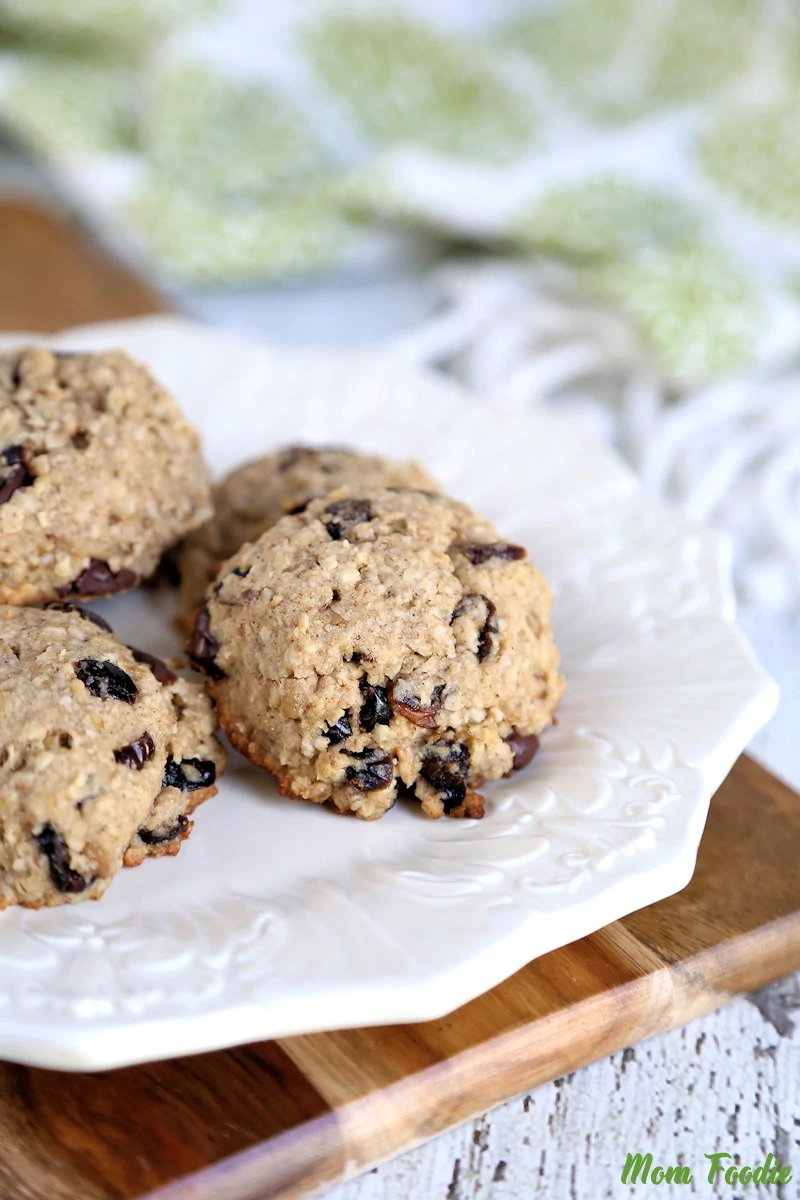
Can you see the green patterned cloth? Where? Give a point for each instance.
(652, 146)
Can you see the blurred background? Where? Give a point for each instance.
(590, 204)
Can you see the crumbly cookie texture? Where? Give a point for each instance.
(195, 760)
(381, 644)
(99, 474)
(94, 741)
(254, 496)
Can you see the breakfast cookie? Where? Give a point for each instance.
(381, 644)
(254, 496)
(99, 474)
(195, 760)
(88, 732)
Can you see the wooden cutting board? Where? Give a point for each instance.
(283, 1119)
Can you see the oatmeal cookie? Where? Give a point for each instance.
(254, 496)
(379, 644)
(99, 474)
(195, 760)
(89, 738)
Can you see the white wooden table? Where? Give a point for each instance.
(730, 1081)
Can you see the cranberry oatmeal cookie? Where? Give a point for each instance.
(99, 474)
(195, 760)
(379, 644)
(256, 495)
(92, 746)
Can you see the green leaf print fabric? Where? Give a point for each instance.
(651, 147)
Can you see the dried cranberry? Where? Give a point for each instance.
(340, 731)
(153, 837)
(375, 709)
(52, 844)
(97, 579)
(478, 553)
(405, 791)
(106, 680)
(17, 458)
(16, 479)
(159, 668)
(446, 768)
(489, 627)
(412, 708)
(68, 606)
(190, 774)
(523, 746)
(374, 775)
(340, 517)
(202, 647)
(137, 753)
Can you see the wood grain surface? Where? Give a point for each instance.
(283, 1119)
(52, 274)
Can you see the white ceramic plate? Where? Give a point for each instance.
(279, 917)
